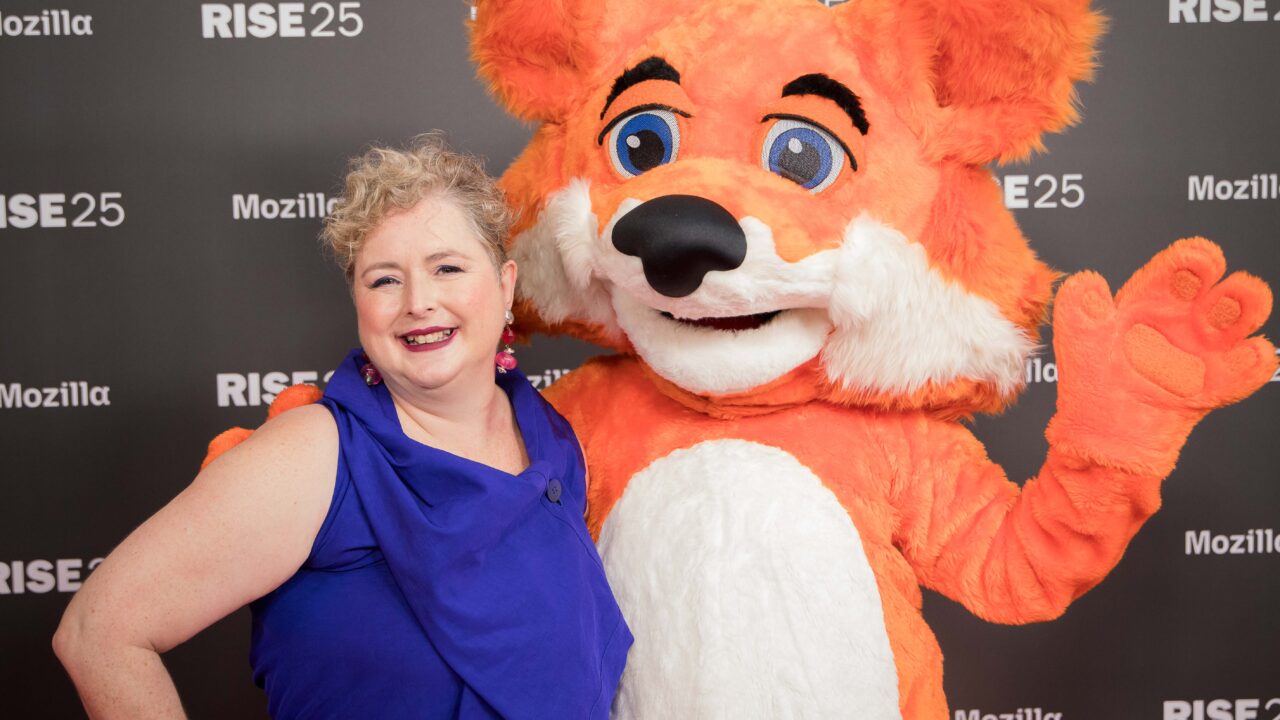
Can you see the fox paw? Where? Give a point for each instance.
(1181, 331)
(292, 397)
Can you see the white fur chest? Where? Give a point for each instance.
(748, 591)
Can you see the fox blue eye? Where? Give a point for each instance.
(644, 141)
(803, 153)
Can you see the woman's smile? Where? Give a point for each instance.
(432, 338)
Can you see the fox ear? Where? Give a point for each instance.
(541, 56)
(535, 54)
(1005, 71)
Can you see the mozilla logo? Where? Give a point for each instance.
(49, 23)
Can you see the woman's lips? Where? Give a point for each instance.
(432, 338)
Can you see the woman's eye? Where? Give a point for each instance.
(381, 282)
(644, 141)
(448, 269)
(803, 153)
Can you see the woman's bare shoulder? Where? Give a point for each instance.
(296, 454)
(296, 446)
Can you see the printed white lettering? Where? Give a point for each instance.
(215, 20)
(304, 206)
(22, 211)
(47, 210)
(67, 394)
(1015, 192)
(1217, 709)
(1259, 186)
(1223, 11)
(262, 21)
(221, 21)
(69, 574)
(255, 389)
(291, 20)
(1039, 371)
(39, 576)
(1052, 191)
(1025, 713)
(51, 210)
(10, 395)
(231, 389)
(542, 380)
(1259, 541)
(273, 383)
(49, 23)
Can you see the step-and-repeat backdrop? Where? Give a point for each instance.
(163, 170)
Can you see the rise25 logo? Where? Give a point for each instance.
(56, 210)
(1022, 192)
(1246, 709)
(1204, 11)
(286, 20)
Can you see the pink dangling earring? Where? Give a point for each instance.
(370, 373)
(506, 357)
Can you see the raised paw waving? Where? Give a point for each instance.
(1176, 336)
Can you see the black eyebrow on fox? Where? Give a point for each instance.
(833, 90)
(654, 68)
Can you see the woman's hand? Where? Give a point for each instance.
(240, 530)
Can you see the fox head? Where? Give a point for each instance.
(775, 198)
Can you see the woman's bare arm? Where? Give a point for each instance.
(242, 528)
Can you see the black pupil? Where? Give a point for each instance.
(648, 153)
(799, 167)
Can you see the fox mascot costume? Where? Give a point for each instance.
(779, 214)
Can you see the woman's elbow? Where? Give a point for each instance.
(76, 637)
(68, 639)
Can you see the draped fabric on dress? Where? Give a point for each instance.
(499, 573)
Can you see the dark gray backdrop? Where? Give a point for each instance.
(153, 121)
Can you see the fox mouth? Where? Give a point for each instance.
(721, 354)
(732, 324)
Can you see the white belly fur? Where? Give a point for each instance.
(748, 591)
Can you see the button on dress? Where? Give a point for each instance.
(439, 587)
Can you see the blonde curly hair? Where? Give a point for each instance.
(385, 180)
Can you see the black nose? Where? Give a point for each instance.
(679, 239)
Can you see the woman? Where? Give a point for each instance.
(413, 546)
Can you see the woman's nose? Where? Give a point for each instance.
(420, 298)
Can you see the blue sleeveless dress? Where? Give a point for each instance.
(439, 587)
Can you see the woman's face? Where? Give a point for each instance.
(429, 305)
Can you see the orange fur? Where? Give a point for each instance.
(948, 87)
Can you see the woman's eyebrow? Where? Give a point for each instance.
(384, 265)
(443, 254)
